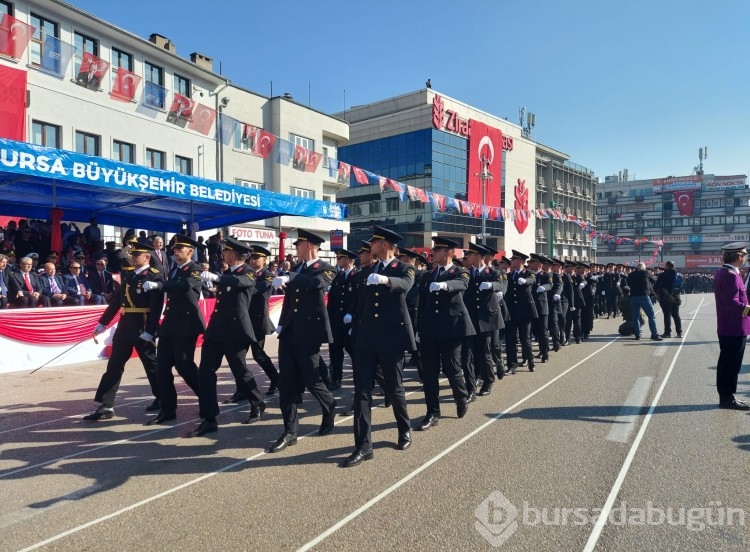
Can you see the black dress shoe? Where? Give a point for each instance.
(236, 398)
(556, 347)
(637, 337)
(272, 390)
(667, 334)
(578, 341)
(101, 413)
(511, 370)
(256, 414)
(735, 404)
(162, 417)
(357, 457)
(206, 426)
(154, 406)
(679, 334)
(500, 373)
(429, 421)
(326, 426)
(472, 397)
(286, 440)
(462, 408)
(298, 399)
(404, 440)
(531, 366)
(657, 337)
(485, 390)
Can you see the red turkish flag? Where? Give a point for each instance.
(360, 176)
(264, 142)
(313, 160)
(126, 83)
(92, 71)
(13, 104)
(344, 173)
(684, 201)
(14, 36)
(485, 155)
(182, 107)
(203, 119)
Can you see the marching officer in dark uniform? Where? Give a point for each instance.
(229, 334)
(180, 328)
(482, 303)
(522, 310)
(575, 301)
(262, 325)
(140, 312)
(498, 335)
(589, 299)
(610, 284)
(556, 321)
(444, 323)
(412, 299)
(303, 327)
(539, 293)
(340, 298)
(384, 333)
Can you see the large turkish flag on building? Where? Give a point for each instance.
(684, 201)
(485, 143)
(12, 103)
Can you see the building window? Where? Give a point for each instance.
(45, 134)
(183, 165)
(122, 151)
(155, 92)
(414, 205)
(325, 157)
(122, 59)
(182, 85)
(249, 184)
(308, 143)
(301, 192)
(374, 207)
(155, 159)
(86, 143)
(327, 198)
(85, 72)
(6, 8)
(43, 28)
(391, 204)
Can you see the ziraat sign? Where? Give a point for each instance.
(445, 119)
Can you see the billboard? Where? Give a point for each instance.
(674, 183)
(736, 182)
(703, 261)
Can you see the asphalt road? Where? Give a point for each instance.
(628, 427)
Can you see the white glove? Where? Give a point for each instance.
(148, 286)
(521, 281)
(582, 285)
(347, 319)
(350, 331)
(555, 297)
(416, 337)
(278, 329)
(375, 279)
(604, 293)
(499, 295)
(207, 276)
(540, 289)
(280, 281)
(437, 286)
(572, 309)
(145, 336)
(485, 285)
(618, 284)
(99, 329)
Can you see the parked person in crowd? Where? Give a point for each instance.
(24, 288)
(53, 288)
(4, 273)
(101, 281)
(668, 288)
(641, 282)
(77, 287)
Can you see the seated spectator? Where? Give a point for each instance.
(54, 258)
(24, 287)
(35, 268)
(101, 281)
(53, 288)
(78, 288)
(273, 266)
(12, 266)
(207, 288)
(285, 268)
(4, 273)
(24, 242)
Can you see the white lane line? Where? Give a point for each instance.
(372, 502)
(661, 350)
(602, 520)
(44, 506)
(625, 421)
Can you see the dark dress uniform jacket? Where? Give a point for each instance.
(304, 305)
(540, 299)
(412, 296)
(557, 289)
(131, 295)
(182, 315)
(483, 305)
(230, 321)
(589, 292)
(569, 295)
(519, 297)
(384, 323)
(577, 291)
(340, 299)
(443, 314)
(259, 318)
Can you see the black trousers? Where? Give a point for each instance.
(445, 352)
(342, 341)
(612, 303)
(553, 327)
(516, 330)
(497, 351)
(468, 364)
(298, 368)
(122, 348)
(264, 361)
(482, 356)
(26, 301)
(670, 311)
(211, 355)
(732, 350)
(573, 319)
(392, 365)
(587, 319)
(177, 351)
(539, 327)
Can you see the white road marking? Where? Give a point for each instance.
(602, 520)
(661, 350)
(42, 507)
(625, 422)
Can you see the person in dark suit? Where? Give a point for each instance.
(160, 260)
(139, 319)
(24, 287)
(502, 266)
(180, 328)
(101, 281)
(53, 288)
(4, 274)
(640, 282)
(522, 311)
(340, 297)
(384, 333)
(574, 299)
(444, 323)
(539, 293)
(77, 287)
(229, 334)
(556, 321)
(417, 260)
(303, 327)
(484, 310)
(590, 299)
(611, 289)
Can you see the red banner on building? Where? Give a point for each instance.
(703, 261)
(126, 83)
(203, 119)
(485, 156)
(92, 71)
(14, 36)
(684, 201)
(181, 110)
(12, 103)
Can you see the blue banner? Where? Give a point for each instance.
(64, 166)
(56, 54)
(154, 95)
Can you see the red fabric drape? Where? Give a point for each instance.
(282, 237)
(13, 103)
(55, 239)
(50, 326)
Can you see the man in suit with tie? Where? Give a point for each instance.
(522, 311)
(303, 327)
(139, 319)
(101, 281)
(4, 273)
(77, 287)
(444, 324)
(384, 334)
(180, 328)
(556, 321)
(229, 334)
(24, 287)
(160, 260)
(541, 288)
(53, 288)
(412, 299)
(340, 296)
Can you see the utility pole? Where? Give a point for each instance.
(552, 206)
(484, 176)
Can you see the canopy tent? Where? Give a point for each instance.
(34, 179)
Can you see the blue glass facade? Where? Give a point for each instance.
(429, 159)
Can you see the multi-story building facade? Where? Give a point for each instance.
(692, 215)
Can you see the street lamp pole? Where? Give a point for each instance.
(484, 176)
(552, 206)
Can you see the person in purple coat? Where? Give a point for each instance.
(732, 324)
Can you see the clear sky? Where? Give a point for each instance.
(637, 84)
